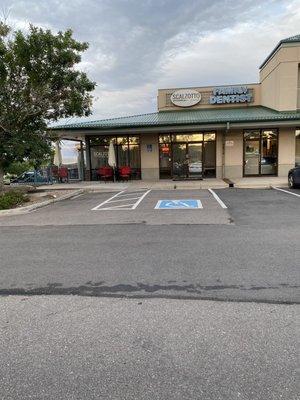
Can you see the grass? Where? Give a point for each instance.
(12, 198)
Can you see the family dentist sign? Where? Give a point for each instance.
(231, 94)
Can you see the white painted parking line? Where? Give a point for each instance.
(106, 201)
(285, 191)
(222, 204)
(132, 193)
(127, 199)
(122, 197)
(116, 208)
(76, 197)
(138, 202)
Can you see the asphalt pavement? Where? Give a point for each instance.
(247, 252)
(137, 316)
(77, 348)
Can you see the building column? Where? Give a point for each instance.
(220, 155)
(149, 156)
(286, 150)
(234, 148)
(88, 172)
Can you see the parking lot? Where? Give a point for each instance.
(181, 243)
(168, 207)
(143, 206)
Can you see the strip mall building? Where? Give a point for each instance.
(223, 131)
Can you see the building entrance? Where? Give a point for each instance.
(187, 156)
(187, 160)
(260, 152)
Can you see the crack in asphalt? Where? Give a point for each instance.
(141, 290)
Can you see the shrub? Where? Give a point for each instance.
(12, 199)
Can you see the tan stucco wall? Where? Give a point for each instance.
(149, 160)
(280, 79)
(164, 103)
(286, 151)
(234, 155)
(219, 155)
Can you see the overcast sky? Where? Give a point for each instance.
(138, 46)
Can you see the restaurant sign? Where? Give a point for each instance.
(185, 97)
(230, 95)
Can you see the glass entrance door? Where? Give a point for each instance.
(179, 160)
(252, 157)
(260, 152)
(187, 160)
(194, 158)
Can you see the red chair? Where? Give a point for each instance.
(125, 173)
(105, 173)
(63, 174)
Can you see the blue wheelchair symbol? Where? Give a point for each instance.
(178, 204)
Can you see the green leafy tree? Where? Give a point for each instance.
(39, 83)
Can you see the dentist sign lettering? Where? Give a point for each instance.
(230, 95)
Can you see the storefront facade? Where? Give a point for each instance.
(205, 132)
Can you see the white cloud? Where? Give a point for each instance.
(137, 47)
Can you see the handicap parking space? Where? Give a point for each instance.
(182, 204)
(259, 207)
(162, 207)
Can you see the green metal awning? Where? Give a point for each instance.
(191, 117)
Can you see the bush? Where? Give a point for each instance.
(17, 168)
(12, 199)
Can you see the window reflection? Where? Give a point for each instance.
(178, 156)
(164, 138)
(127, 149)
(209, 137)
(193, 137)
(252, 134)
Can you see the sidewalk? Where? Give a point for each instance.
(166, 184)
(260, 182)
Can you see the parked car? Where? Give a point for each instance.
(195, 167)
(294, 177)
(28, 177)
(8, 178)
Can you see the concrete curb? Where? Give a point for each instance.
(25, 209)
(266, 186)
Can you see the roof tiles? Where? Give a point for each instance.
(204, 116)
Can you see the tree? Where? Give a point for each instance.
(39, 83)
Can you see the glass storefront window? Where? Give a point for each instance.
(297, 148)
(122, 139)
(260, 152)
(127, 151)
(100, 140)
(209, 136)
(99, 158)
(209, 161)
(134, 140)
(181, 156)
(165, 160)
(164, 138)
(269, 134)
(123, 156)
(193, 137)
(252, 134)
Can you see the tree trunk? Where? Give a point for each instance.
(1, 178)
